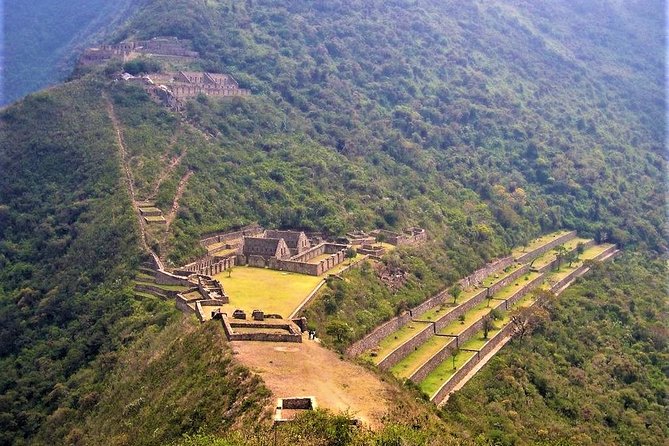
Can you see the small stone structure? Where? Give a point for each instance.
(409, 236)
(288, 408)
(173, 89)
(269, 330)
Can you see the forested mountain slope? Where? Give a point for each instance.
(486, 122)
(42, 39)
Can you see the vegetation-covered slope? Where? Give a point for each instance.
(547, 110)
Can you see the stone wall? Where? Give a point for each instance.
(407, 347)
(372, 339)
(432, 363)
(495, 287)
(257, 261)
(298, 263)
(448, 386)
(292, 334)
(528, 287)
(165, 278)
(210, 266)
(480, 274)
(246, 231)
(461, 309)
(527, 257)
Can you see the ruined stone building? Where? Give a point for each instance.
(265, 247)
(297, 241)
(124, 51)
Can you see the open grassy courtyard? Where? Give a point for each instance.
(271, 291)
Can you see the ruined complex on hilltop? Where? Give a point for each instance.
(125, 51)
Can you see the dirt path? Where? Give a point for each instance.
(171, 215)
(307, 369)
(123, 158)
(173, 164)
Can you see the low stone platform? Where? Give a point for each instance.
(268, 330)
(289, 408)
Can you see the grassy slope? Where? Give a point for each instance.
(174, 381)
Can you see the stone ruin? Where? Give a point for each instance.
(125, 51)
(289, 408)
(409, 236)
(174, 88)
(289, 251)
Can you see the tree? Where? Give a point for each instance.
(526, 320)
(455, 291)
(339, 330)
(350, 254)
(560, 254)
(456, 352)
(487, 325)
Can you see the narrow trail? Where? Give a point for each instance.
(174, 163)
(171, 166)
(123, 157)
(175, 204)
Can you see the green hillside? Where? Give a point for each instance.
(488, 123)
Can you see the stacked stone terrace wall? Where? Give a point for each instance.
(449, 385)
(494, 288)
(461, 309)
(432, 363)
(165, 278)
(442, 354)
(409, 346)
(372, 339)
(527, 257)
(480, 274)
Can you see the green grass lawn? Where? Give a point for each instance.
(162, 287)
(271, 291)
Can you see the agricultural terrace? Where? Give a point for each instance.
(276, 292)
(537, 243)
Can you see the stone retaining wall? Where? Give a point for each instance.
(407, 347)
(432, 363)
(460, 309)
(165, 278)
(480, 274)
(462, 337)
(248, 231)
(544, 248)
(495, 287)
(448, 386)
(372, 339)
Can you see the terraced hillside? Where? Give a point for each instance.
(436, 347)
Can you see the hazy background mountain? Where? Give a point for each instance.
(42, 39)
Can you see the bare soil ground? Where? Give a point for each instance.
(307, 369)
